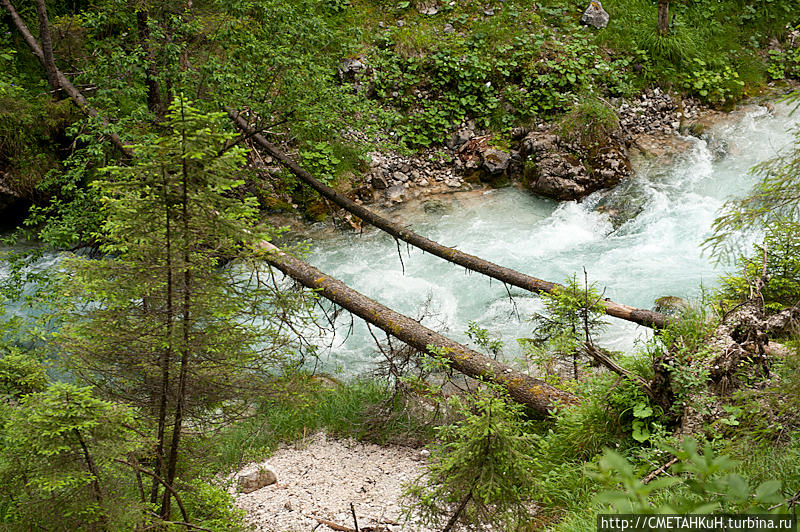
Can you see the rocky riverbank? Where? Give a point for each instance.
(542, 158)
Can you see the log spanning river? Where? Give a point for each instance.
(639, 242)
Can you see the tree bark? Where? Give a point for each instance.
(471, 262)
(49, 61)
(534, 393)
(663, 17)
(73, 93)
(154, 101)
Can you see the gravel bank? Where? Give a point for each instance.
(321, 477)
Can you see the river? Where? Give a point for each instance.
(656, 252)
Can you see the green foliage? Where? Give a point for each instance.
(497, 85)
(57, 462)
(779, 258)
(319, 159)
(708, 481)
(716, 85)
(212, 507)
(573, 314)
(20, 374)
(490, 345)
(784, 64)
(480, 471)
(32, 131)
(676, 47)
(589, 122)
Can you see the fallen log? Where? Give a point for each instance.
(471, 262)
(74, 94)
(534, 393)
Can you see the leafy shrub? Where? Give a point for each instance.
(713, 85)
(784, 64)
(710, 485)
(319, 159)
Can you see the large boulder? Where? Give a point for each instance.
(250, 482)
(562, 170)
(595, 16)
(496, 161)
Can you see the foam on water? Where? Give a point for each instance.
(656, 253)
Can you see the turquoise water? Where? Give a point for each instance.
(656, 253)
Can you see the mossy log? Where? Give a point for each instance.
(470, 262)
(534, 393)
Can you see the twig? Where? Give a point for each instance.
(400, 254)
(353, 511)
(603, 359)
(660, 470)
(792, 501)
(334, 526)
(463, 504)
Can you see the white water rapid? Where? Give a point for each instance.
(654, 253)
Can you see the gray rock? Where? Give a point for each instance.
(378, 182)
(459, 138)
(428, 8)
(448, 28)
(256, 480)
(395, 193)
(488, 12)
(437, 206)
(670, 305)
(595, 16)
(400, 176)
(349, 69)
(496, 161)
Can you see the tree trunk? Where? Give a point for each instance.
(663, 17)
(536, 394)
(166, 355)
(47, 49)
(73, 93)
(154, 101)
(186, 318)
(471, 262)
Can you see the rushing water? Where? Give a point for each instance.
(655, 253)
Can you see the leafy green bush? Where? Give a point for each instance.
(708, 481)
(784, 64)
(713, 85)
(318, 158)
